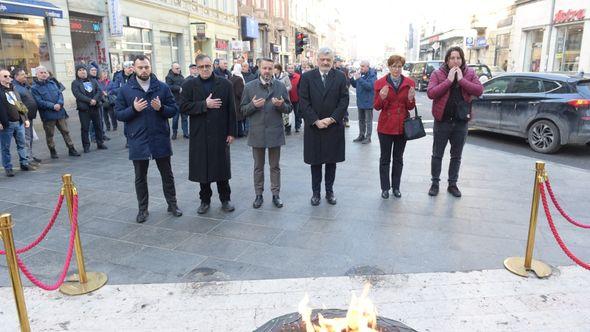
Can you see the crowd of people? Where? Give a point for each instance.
(217, 103)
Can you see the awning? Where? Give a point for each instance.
(30, 7)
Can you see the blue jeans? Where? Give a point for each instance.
(183, 122)
(16, 130)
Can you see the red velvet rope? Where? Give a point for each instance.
(558, 207)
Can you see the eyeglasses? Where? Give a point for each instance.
(204, 67)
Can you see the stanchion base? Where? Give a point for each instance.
(72, 285)
(516, 266)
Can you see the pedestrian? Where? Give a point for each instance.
(50, 102)
(222, 70)
(363, 81)
(13, 120)
(209, 102)
(246, 73)
(305, 67)
(264, 102)
(193, 71)
(254, 69)
(145, 104)
(452, 87)
(174, 79)
(294, 78)
(238, 84)
(339, 66)
(323, 99)
(279, 75)
(394, 96)
(120, 78)
(108, 104)
(93, 74)
(22, 86)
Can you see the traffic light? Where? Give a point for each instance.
(299, 42)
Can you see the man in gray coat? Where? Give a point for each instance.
(263, 102)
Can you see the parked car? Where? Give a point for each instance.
(407, 69)
(548, 110)
(482, 71)
(421, 71)
(497, 70)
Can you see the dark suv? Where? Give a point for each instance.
(549, 110)
(421, 72)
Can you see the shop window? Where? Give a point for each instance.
(24, 44)
(534, 44)
(169, 49)
(136, 41)
(567, 48)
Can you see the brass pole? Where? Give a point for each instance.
(530, 243)
(69, 191)
(17, 286)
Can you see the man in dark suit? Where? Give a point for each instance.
(323, 101)
(209, 102)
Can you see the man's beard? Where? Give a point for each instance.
(267, 77)
(144, 77)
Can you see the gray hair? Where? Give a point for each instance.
(365, 62)
(326, 51)
(40, 68)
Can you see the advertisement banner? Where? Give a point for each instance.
(115, 19)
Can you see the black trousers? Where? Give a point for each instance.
(316, 177)
(455, 133)
(85, 118)
(222, 188)
(391, 146)
(109, 114)
(141, 186)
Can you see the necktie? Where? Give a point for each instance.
(324, 79)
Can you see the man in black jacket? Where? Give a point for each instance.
(88, 96)
(22, 86)
(174, 79)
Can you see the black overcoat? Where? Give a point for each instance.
(209, 158)
(317, 102)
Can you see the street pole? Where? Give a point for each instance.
(549, 34)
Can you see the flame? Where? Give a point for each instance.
(360, 317)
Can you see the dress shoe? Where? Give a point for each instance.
(203, 208)
(53, 154)
(433, 190)
(257, 202)
(358, 139)
(454, 190)
(397, 193)
(385, 194)
(142, 216)
(186, 136)
(366, 141)
(174, 135)
(276, 200)
(331, 198)
(27, 168)
(315, 199)
(227, 206)
(73, 153)
(9, 172)
(37, 160)
(101, 147)
(175, 210)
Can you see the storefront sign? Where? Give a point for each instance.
(34, 8)
(221, 44)
(115, 20)
(469, 42)
(246, 46)
(274, 48)
(481, 42)
(433, 39)
(249, 28)
(236, 45)
(199, 30)
(84, 26)
(139, 23)
(571, 15)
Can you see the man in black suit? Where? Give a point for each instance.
(323, 100)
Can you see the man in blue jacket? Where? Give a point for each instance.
(363, 81)
(145, 104)
(50, 101)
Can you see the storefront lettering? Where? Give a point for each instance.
(571, 15)
(221, 44)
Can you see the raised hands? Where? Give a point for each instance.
(213, 103)
(139, 104)
(258, 103)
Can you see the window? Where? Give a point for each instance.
(418, 69)
(137, 40)
(534, 44)
(497, 85)
(555, 87)
(567, 48)
(168, 50)
(23, 43)
(432, 66)
(527, 85)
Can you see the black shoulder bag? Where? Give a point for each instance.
(413, 126)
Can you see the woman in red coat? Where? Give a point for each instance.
(394, 97)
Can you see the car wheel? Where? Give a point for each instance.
(543, 137)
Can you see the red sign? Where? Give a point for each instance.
(221, 44)
(571, 15)
(433, 39)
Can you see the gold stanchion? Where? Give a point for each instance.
(522, 265)
(17, 286)
(83, 282)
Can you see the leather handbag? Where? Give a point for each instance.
(413, 127)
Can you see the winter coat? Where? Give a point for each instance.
(119, 79)
(294, 92)
(238, 85)
(284, 78)
(249, 77)
(222, 73)
(327, 145)
(5, 105)
(209, 158)
(148, 131)
(266, 123)
(47, 93)
(175, 81)
(26, 95)
(85, 90)
(394, 109)
(364, 89)
(439, 89)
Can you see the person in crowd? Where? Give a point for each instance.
(108, 105)
(363, 81)
(280, 75)
(52, 78)
(323, 99)
(120, 78)
(209, 102)
(339, 66)
(264, 102)
(50, 102)
(246, 73)
(238, 84)
(305, 67)
(145, 104)
(22, 86)
(192, 70)
(222, 70)
(215, 65)
(13, 120)
(452, 87)
(174, 79)
(394, 96)
(294, 78)
(94, 74)
(88, 99)
(256, 66)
